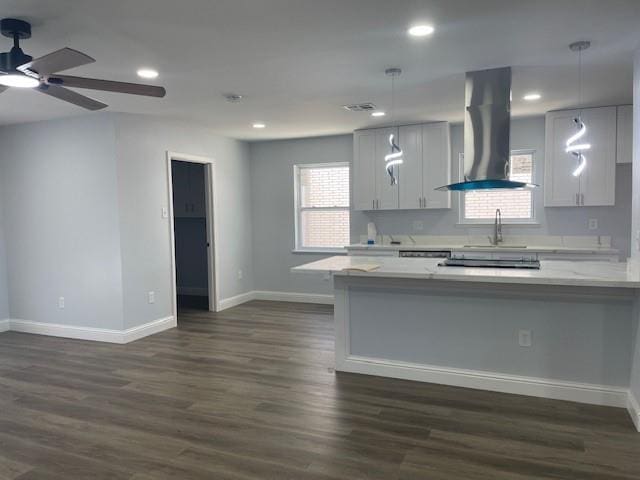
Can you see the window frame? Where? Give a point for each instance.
(298, 247)
(533, 220)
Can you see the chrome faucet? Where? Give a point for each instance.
(497, 229)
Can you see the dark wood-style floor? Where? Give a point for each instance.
(250, 394)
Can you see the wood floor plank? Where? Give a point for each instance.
(250, 393)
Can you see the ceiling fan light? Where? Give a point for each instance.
(18, 81)
(148, 73)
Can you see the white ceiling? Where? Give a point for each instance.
(297, 61)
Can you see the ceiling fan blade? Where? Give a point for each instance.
(72, 97)
(107, 85)
(57, 61)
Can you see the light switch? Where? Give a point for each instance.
(165, 212)
(418, 225)
(524, 338)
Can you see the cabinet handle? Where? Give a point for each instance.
(424, 202)
(577, 199)
(582, 198)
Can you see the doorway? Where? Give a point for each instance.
(192, 232)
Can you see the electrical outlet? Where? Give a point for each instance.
(593, 224)
(61, 302)
(165, 212)
(239, 274)
(524, 338)
(152, 297)
(418, 225)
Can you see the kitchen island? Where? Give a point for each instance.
(565, 331)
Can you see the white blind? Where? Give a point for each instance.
(322, 206)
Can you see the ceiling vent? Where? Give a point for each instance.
(360, 107)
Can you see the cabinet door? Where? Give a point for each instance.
(436, 171)
(560, 186)
(364, 173)
(598, 180)
(410, 190)
(386, 194)
(624, 150)
(197, 174)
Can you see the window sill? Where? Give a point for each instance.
(320, 251)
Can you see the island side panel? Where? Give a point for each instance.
(467, 335)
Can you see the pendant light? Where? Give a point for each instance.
(577, 149)
(395, 156)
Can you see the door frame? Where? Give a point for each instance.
(212, 230)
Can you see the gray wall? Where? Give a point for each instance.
(191, 256)
(4, 294)
(61, 225)
(142, 143)
(273, 209)
(82, 201)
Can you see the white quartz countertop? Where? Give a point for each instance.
(552, 272)
(487, 248)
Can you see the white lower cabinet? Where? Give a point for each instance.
(595, 186)
(426, 166)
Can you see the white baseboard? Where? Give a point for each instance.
(274, 297)
(4, 325)
(141, 331)
(633, 406)
(90, 333)
(293, 297)
(225, 303)
(493, 381)
(195, 291)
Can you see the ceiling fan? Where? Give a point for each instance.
(20, 70)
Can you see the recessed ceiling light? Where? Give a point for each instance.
(18, 80)
(420, 30)
(259, 125)
(532, 97)
(378, 114)
(147, 73)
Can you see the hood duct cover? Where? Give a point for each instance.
(486, 131)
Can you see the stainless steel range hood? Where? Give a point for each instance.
(486, 131)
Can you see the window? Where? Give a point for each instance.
(322, 206)
(516, 206)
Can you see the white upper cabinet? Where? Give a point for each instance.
(624, 150)
(411, 193)
(596, 185)
(427, 165)
(363, 172)
(436, 164)
(386, 193)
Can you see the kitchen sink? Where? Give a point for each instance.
(521, 247)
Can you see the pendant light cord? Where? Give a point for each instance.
(393, 94)
(580, 83)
